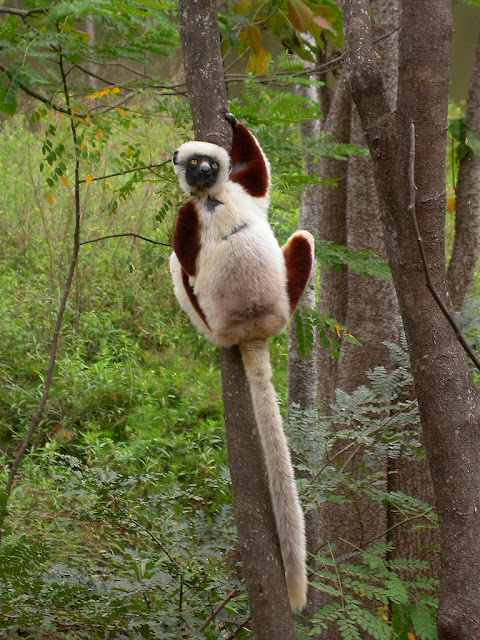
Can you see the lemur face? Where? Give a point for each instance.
(202, 167)
(201, 171)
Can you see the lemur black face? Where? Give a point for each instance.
(201, 171)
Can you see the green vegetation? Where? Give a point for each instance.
(120, 521)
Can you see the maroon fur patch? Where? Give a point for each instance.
(193, 299)
(186, 237)
(298, 259)
(248, 165)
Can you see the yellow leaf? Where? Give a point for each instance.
(84, 147)
(65, 181)
(98, 136)
(259, 63)
(109, 184)
(88, 179)
(122, 111)
(299, 15)
(96, 151)
(241, 7)
(253, 37)
(135, 263)
(411, 636)
(337, 327)
(49, 198)
(385, 617)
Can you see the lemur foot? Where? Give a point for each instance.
(231, 119)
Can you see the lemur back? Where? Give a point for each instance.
(239, 287)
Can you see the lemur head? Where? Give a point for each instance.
(202, 167)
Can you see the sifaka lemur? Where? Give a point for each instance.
(239, 288)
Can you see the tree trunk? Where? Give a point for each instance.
(448, 398)
(303, 370)
(259, 548)
(462, 265)
(331, 212)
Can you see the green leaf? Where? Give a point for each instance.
(7, 104)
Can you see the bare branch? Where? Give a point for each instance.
(241, 626)
(215, 613)
(124, 235)
(24, 13)
(121, 173)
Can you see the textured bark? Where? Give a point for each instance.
(466, 246)
(303, 370)
(371, 307)
(259, 548)
(448, 398)
(331, 212)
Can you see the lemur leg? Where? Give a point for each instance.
(183, 263)
(186, 296)
(298, 252)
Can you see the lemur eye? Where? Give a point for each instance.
(215, 165)
(194, 162)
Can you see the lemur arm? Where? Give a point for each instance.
(186, 244)
(249, 165)
(186, 237)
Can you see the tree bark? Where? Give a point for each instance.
(259, 548)
(466, 245)
(331, 212)
(447, 396)
(303, 370)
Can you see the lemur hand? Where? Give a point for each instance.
(231, 119)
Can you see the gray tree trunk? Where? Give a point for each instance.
(331, 212)
(448, 398)
(303, 370)
(259, 548)
(466, 246)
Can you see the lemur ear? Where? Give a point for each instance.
(175, 156)
(229, 165)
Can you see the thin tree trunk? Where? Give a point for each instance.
(466, 246)
(331, 212)
(303, 370)
(448, 398)
(259, 549)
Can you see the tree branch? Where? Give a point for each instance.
(123, 235)
(24, 13)
(215, 613)
(122, 173)
(35, 94)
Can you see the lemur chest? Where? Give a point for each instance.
(220, 221)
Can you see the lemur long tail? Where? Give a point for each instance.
(286, 505)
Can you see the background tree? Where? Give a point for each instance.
(444, 408)
(466, 132)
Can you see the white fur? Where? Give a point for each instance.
(241, 286)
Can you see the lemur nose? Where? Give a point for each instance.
(205, 168)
